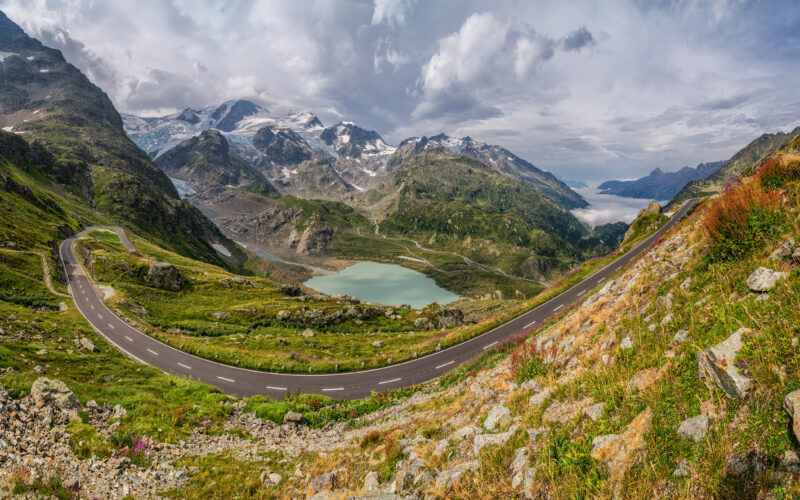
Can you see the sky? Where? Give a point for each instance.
(588, 90)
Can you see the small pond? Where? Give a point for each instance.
(385, 284)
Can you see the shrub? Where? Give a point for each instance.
(527, 362)
(775, 172)
(742, 219)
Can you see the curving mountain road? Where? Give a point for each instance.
(244, 382)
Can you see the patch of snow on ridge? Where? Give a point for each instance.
(6, 55)
(221, 249)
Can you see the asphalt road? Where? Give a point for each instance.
(349, 385)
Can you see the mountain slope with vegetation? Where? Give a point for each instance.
(746, 158)
(51, 103)
(678, 377)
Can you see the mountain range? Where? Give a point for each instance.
(660, 185)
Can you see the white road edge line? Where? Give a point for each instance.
(557, 308)
(226, 379)
(328, 389)
(185, 366)
(446, 364)
(276, 388)
(154, 352)
(390, 381)
(489, 345)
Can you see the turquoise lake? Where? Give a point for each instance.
(385, 284)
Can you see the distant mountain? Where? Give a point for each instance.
(500, 160)
(339, 161)
(573, 183)
(659, 185)
(737, 165)
(206, 161)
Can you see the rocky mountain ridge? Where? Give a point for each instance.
(660, 185)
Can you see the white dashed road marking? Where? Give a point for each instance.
(328, 389)
(226, 379)
(130, 339)
(154, 352)
(184, 366)
(557, 308)
(111, 326)
(582, 292)
(489, 345)
(446, 364)
(390, 381)
(276, 388)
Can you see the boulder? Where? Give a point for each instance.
(87, 344)
(283, 315)
(694, 428)
(499, 416)
(594, 412)
(540, 397)
(165, 276)
(618, 453)
(791, 403)
(449, 318)
(55, 392)
(371, 482)
(308, 333)
(221, 315)
(449, 476)
(422, 323)
(784, 250)
(518, 466)
(378, 344)
(563, 412)
(292, 417)
(716, 364)
(482, 440)
(626, 343)
(763, 279)
(323, 482)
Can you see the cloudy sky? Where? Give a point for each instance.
(588, 90)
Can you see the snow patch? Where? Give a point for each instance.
(6, 55)
(221, 249)
(8, 129)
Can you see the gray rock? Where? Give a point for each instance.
(292, 417)
(283, 315)
(87, 344)
(682, 469)
(694, 428)
(449, 476)
(716, 364)
(667, 319)
(422, 322)
(600, 442)
(378, 344)
(783, 251)
(626, 343)
(595, 411)
(518, 466)
(499, 416)
(791, 403)
(482, 440)
(790, 462)
(762, 297)
(165, 276)
(221, 315)
(38, 369)
(371, 482)
(540, 397)
(308, 333)
(763, 279)
(686, 284)
(680, 337)
(56, 392)
(323, 482)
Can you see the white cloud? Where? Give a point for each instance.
(392, 12)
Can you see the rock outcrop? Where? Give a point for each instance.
(165, 276)
(717, 364)
(764, 280)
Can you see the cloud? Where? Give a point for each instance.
(485, 56)
(386, 54)
(577, 40)
(391, 12)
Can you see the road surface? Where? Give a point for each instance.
(348, 385)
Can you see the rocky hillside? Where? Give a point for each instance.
(659, 185)
(206, 161)
(500, 160)
(446, 200)
(737, 165)
(51, 103)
